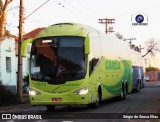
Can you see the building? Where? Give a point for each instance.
(152, 61)
(31, 34)
(9, 59)
(8, 67)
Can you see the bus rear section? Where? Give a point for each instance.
(137, 78)
(112, 78)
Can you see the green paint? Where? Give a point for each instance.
(71, 84)
(87, 45)
(116, 89)
(24, 46)
(112, 65)
(40, 84)
(127, 73)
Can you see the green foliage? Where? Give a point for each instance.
(153, 69)
(6, 96)
(26, 79)
(25, 83)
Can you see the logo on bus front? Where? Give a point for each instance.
(46, 41)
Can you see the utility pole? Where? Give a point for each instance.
(140, 47)
(19, 75)
(130, 41)
(106, 22)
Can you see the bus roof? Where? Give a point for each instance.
(66, 29)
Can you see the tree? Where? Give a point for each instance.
(149, 69)
(3, 12)
(119, 36)
(152, 46)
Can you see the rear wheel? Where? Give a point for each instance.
(50, 108)
(123, 93)
(126, 88)
(138, 86)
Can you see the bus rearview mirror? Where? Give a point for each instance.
(24, 46)
(87, 45)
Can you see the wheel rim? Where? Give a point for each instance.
(122, 94)
(97, 100)
(125, 91)
(138, 87)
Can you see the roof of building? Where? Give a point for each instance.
(33, 33)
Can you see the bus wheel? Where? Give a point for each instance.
(97, 103)
(123, 93)
(138, 86)
(50, 108)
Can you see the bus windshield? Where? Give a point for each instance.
(58, 59)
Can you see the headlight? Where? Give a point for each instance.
(33, 92)
(82, 91)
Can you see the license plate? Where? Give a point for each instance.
(56, 99)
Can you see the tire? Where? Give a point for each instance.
(127, 89)
(50, 108)
(97, 103)
(138, 86)
(141, 86)
(123, 93)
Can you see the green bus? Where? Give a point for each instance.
(68, 67)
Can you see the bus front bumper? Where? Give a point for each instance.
(59, 99)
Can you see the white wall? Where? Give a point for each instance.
(9, 78)
(25, 68)
(116, 48)
(8, 50)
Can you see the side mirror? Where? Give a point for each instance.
(24, 46)
(87, 45)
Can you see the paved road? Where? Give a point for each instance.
(136, 104)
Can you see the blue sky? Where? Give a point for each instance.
(88, 12)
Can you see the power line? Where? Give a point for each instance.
(36, 9)
(75, 9)
(89, 10)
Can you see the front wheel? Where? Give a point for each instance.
(97, 103)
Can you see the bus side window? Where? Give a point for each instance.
(90, 67)
(92, 64)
